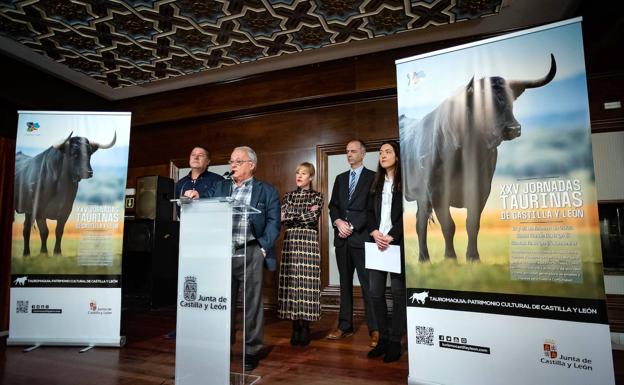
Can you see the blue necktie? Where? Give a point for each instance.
(351, 184)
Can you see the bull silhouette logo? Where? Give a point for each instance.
(20, 281)
(419, 297)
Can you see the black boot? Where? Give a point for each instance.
(296, 333)
(393, 351)
(305, 333)
(379, 350)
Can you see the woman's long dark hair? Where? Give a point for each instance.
(380, 175)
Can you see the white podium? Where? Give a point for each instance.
(203, 350)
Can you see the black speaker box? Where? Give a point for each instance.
(150, 263)
(152, 198)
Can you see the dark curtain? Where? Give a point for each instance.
(7, 165)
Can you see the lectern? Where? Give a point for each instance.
(203, 347)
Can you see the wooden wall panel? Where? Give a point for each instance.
(281, 132)
(379, 71)
(256, 91)
(602, 88)
(136, 172)
(615, 310)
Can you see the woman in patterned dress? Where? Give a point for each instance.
(300, 268)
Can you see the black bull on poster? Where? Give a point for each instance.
(450, 155)
(46, 185)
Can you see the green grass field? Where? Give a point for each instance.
(57, 264)
(492, 274)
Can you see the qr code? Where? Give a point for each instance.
(424, 335)
(22, 307)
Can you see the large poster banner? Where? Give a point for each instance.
(503, 260)
(70, 179)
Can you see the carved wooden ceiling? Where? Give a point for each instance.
(125, 43)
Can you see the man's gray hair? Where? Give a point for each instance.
(250, 152)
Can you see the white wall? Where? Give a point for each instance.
(608, 150)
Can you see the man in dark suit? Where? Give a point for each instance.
(347, 210)
(258, 237)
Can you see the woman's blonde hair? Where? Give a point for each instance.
(308, 166)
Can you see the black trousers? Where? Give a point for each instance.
(389, 331)
(254, 309)
(351, 259)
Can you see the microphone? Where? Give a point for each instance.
(227, 175)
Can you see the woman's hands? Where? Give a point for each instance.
(382, 240)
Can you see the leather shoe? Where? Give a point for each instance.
(251, 362)
(338, 334)
(374, 339)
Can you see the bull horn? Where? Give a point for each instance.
(95, 146)
(518, 87)
(60, 144)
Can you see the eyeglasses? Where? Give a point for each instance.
(238, 162)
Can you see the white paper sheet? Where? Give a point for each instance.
(387, 260)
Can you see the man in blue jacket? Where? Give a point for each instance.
(258, 236)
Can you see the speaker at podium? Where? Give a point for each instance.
(153, 195)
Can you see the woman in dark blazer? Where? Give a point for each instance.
(385, 226)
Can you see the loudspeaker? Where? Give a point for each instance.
(152, 198)
(149, 263)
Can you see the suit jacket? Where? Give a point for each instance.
(353, 210)
(396, 215)
(265, 226)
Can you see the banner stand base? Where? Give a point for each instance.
(243, 379)
(86, 349)
(31, 348)
(415, 381)
(34, 344)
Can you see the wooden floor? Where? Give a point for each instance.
(148, 358)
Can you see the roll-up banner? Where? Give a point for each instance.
(70, 179)
(503, 261)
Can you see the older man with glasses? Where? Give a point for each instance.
(258, 236)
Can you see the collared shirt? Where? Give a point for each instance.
(385, 223)
(241, 231)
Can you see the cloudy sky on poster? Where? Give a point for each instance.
(54, 128)
(527, 57)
